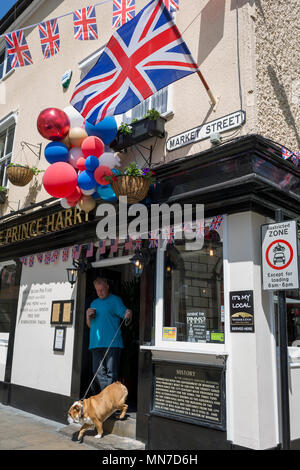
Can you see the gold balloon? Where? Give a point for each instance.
(66, 141)
(87, 203)
(77, 136)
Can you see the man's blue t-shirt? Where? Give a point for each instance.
(107, 321)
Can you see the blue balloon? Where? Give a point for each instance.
(106, 129)
(107, 193)
(116, 171)
(86, 180)
(91, 163)
(56, 152)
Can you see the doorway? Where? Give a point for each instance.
(124, 284)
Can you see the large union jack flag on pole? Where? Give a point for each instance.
(123, 11)
(49, 35)
(17, 49)
(85, 24)
(172, 5)
(143, 56)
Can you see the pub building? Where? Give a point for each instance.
(198, 377)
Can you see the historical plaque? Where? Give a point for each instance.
(192, 393)
(241, 311)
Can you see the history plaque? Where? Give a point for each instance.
(192, 393)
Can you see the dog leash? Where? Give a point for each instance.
(127, 322)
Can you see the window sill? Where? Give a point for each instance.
(208, 351)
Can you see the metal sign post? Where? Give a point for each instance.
(280, 272)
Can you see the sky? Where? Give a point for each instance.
(6, 5)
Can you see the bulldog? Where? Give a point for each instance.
(95, 410)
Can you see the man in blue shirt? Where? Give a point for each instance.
(103, 318)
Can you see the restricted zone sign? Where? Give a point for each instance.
(280, 256)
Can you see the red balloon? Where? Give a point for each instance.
(101, 172)
(92, 146)
(53, 124)
(81, 163)
(75, 196)
(60, 180)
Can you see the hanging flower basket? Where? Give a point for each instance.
(19, 175)
(134, 187)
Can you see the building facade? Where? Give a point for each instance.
(194, 380)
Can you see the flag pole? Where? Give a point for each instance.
(208, 90)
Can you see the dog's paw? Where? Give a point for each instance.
(98, 436)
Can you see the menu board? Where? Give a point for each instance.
(190, 393)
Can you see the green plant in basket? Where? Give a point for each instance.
(124, 129)
(152, 114)
(34, 169)
(133, 170)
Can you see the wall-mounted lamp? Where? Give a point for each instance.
(139, 260)
(80, 265)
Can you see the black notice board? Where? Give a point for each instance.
(241, 311)
(190, 393)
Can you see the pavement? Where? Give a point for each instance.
(20, 430)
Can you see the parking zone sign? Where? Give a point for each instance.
(280, 256)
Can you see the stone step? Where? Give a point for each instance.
(107, 442)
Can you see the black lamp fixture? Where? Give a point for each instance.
(139, 260)
(80, 265)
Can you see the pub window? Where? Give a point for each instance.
(194, 292)
(5, 66)
(8, 296)
(6, 147)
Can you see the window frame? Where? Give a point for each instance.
(185, 346)
(5, 125)
(6, 61)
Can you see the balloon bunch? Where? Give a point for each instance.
(79, 157)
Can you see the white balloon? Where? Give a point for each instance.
(74, 154)
(108, 159)
(88, 192)
(64, 203)
(75, 117)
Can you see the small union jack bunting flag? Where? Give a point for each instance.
(114, 245)
(31, 261)
(49, 35)
(76, 250)
(123, 11)
(102, 247)
(85, 24)
(17, 49)
(40, 257)
(172, 5)
(216, 223)
(55, 256)
(47, 257)
(168, 234)
(153, 239)
(89, 250)
(286, 153)
(65, 254)
(138, 243)
(128, 243)
(296, 158)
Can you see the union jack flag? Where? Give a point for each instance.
(49, 35)
(89, 250)
(123, 11)
(168, 234)
(153, 239)
(31, 261)
(114, 245)
(296, 158)
(17, 49)
(54, 256)
(85, 24)
(65, 254)
(102, 247)
(76, 250)
(172, 5)
(286, 153)
(128, 243)
(216, 222)
(138, 243)
(47, 257)
(40, 257)
(143, 56)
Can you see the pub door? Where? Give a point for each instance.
(122, 283)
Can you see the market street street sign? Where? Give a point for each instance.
(202, 132)
(280, 256)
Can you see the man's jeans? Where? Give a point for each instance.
(109, 371)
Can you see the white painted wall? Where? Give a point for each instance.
(35, 364)
(3, 353)
(251, 368)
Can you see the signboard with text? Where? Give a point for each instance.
(280, 270)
